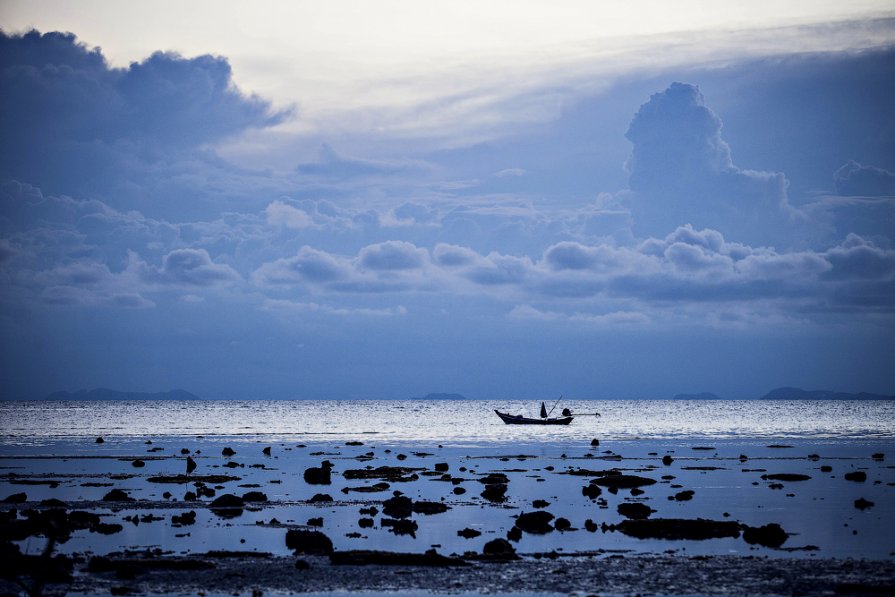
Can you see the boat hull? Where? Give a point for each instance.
(520, 420)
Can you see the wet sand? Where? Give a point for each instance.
(658, 516)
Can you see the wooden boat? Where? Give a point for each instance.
(520, 420)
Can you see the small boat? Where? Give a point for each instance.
(544, 420)
(520, 420)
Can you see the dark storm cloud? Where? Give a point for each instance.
(69, 122)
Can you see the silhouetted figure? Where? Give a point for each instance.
(566, 412)
(543, 411)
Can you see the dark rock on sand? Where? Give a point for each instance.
(184, 519)
(190, 464)
(826, 468)
(634, 510)
(354, 443)
(623, 481)
(862, 504)
(138, 463)
(667, 460)
(375, 488)
(441, 467)
(536, 523)
(592, 491)
(53, 503)
(684, 496)
(494, 479)
(100, 440)
(388, 558)
(769, 535)
(312, 543)
(540, 504)
(228, 451)
(321, 475)
(319, 498)
(106, 528)
(228, 500)
(366, 523)
(423, 507)
(16, 498)
(116, 495)
(856, 476)
(562, 524)
(786, 477)
(315, 522)
(459, 491)
(514, 534)
(495, 493)
(499, 550)
(266, 451)
(399, 506)
(254, 496)
(371, 511)
(678, 528)
(468, 533)
(594, 442)
(590, 526)
(392, 474)
(879, 456)
(400, 527)
(189, 496)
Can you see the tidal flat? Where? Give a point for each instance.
(244, 513)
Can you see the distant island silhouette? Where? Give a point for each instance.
(800, 394)
(440, 396)
(106, 394)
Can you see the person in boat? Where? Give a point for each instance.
(566, 412)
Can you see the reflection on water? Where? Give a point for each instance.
(448, 421)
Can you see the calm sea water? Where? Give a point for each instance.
(447, 421)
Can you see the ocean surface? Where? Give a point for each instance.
(466, 421)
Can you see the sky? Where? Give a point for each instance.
(504, 200)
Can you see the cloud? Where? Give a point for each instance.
(857, 258)
(527, 312)
(681, 169)
(309, 265)
(867, 181)
(280, 213)
(333, 165)
(392, 256)
(309, 308)
(189, 267)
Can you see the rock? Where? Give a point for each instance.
(684, 496)
(398, 506)
(634, 510)
(459, 490)
(302, 565)
(254, 496)
(637, 491)
(494, 479)
(594, 442)
(228, 500)
(592, 491)
(100, 440)
(388, 558)
(423, 507)
(499, 549)
(590, 526)
(106, 528)
(366, 523)
(862, 504)
(468, 533)
(116, 495)
(540, 504)
(623, 481)
(371, 511)
(53, 503)
(312, 543)
(678, 528)
(786, 477)
(138, 463)
(184, 451)
(16, 498)
(190, 464)
(266, 451)
(562, 524)
(228, 451)
(320, 498)
(392, 474)
(769, 535)
(826, 468)
(400, 527)
(879, 456)
(495, 493)
(441, 467)
(189, 496)
(859, 476)
(315, 522)
(667, 460)
(354, 443)
(375, 488)
(536, 523)
(321, 475)
(184, 519)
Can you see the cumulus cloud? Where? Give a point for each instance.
(681, 169)
(309, 265)
(392, 256)
(279, 213)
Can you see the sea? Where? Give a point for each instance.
(447, 421)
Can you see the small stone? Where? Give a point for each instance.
(138, 463)
(308, 542)
(266, 451)
(228, 452)
(315, 522)
(116, 495)
(468, 533)
(667, 460)
(862, 504)
(858, 476)
(594, 442)
(100, 440)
